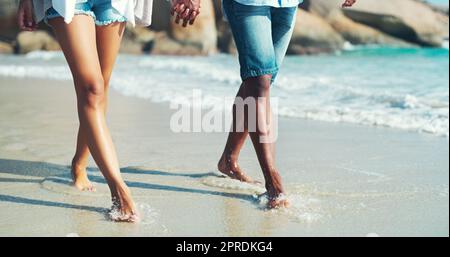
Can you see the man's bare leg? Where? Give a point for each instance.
(228, 163)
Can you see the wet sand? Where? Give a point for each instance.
(343, 180)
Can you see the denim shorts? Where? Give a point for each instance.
(100, 10)
(262, 35)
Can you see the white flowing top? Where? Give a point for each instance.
(137, 12)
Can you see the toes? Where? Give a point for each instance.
(130, 218)
(134, 218)
(116, 214)
(278, 204)
(238, 175)
(244, 178)
(87, 188)
(256, 182)
(91, 187)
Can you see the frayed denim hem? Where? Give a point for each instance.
(108, 22)
(91, 14)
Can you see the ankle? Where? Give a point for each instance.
(274, 191)
(121, 189)
(230, 158)
(274, 184)
(78, 163)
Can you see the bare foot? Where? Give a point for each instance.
(278, 202)
(275, 192)
(229, 166)
(124, 209)
(80, 178)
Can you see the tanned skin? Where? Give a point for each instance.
(91, 53)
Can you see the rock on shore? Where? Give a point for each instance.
(322, 26)
(408, 20)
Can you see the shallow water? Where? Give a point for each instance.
(400, 88)
(342, 179)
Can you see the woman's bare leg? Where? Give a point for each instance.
(79, 164)
(77, 41)
(108, 45)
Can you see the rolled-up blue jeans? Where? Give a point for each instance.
(262, 35)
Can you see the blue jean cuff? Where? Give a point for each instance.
(256, 73)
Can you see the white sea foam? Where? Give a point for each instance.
(302, 209)
(349, 46)
(377, 89)
(232, 184)
(35, 71)
(44, 55)
(445, 44)
(149, 215)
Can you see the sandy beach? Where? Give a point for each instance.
(342, 179)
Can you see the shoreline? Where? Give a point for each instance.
(344, 179)
(318, 95)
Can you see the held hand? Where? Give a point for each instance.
(348, 3)
(25, 16)
(186, 10)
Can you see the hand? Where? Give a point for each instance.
(25, 16)
(186, 10)
(348, 3)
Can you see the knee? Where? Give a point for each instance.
(93, 93)
(106, 80)
(261, 83)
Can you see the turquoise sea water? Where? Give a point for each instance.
(405, 89)
(400, 88)
(438, 1)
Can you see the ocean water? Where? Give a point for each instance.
(406, 89)
(443, 2)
